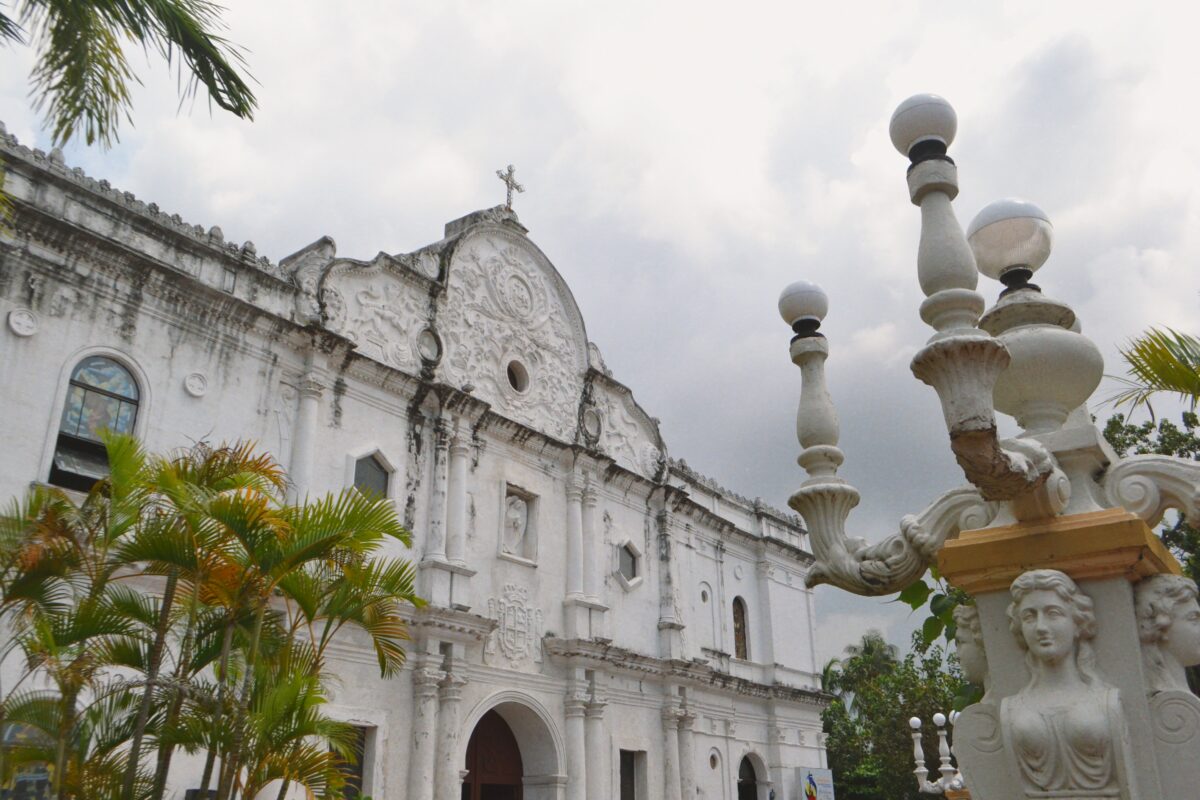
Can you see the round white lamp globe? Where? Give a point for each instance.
(803, 300)
(1010, 234)
(915, 723)
(939, 719)
(921, 118)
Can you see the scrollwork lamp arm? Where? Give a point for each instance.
(1149, 485)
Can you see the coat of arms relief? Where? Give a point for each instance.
(518, 634)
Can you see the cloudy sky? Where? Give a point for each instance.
(686, 160)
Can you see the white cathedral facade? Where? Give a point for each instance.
(602, 621)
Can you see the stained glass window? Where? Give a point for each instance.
(102, 395)
(740, 650)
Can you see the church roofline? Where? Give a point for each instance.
(695, 672)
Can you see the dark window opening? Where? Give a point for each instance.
(102, 396)
(353, 767)
(629, 775)
(629, 563)
(371, 476)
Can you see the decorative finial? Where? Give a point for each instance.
(510, 182)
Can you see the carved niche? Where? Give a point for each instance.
(510, 333)
(518, 634)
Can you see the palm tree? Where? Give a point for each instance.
(82, 78)
(1161, 360)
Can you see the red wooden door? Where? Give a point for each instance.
(493, 762)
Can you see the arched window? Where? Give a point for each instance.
(740, 648)
(102, 396)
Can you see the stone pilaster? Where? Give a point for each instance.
(687, 755)
(671, 773)
(574, 707)
(598, 755)
(591, 561)
(435, 547)
(447, 778)
(456, 509)
(574, 547)
(424, 729)
(301, 469)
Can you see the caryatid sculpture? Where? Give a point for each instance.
(1169, 627)
(968, 645)
(1055, 496)
(1065, 728)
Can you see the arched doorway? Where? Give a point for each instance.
(494, 769)
(747, 780)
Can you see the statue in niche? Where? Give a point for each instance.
(516, 521)
(968, 643)
(1169, 626)
(1065, 728)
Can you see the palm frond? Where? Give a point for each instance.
(1160, 360)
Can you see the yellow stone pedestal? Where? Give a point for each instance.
(1099, 544)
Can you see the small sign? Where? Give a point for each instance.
(815, 783)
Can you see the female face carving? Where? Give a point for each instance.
(1047, 626)
(971, 656)
(1182, 638)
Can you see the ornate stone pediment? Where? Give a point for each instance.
(625, 432)
(512, 331)
(379, 308)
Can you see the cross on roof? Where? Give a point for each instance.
(510, 182)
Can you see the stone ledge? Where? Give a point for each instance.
(1100, 544)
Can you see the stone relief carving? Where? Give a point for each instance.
(625, 437)
(284, 416)
(306, 267)
(22, 322)
(518, 634)
(968, 643)
(1175, 722)
(1065, 728)
(383, 315)
(1169, 626)
(501, 307)
(516, 521)
(1148, 485)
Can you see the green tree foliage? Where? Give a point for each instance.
(875, 693)
(224, 654)
(1164, 438)
(82, 78)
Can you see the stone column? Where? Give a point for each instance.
(311, 388)
(574, 539)
(597, 752)
(575, 707)
(671, 777)
(424, 727)
(447, 778)
(591, 549)
(687, 755)
(435, 546)
(456, 510)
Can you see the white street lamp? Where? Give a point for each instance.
(1053, 508)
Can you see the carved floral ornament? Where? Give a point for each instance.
(502, 308)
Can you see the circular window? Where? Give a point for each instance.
(428, 346)
(518, 376)
(703, 595)
(712, 761)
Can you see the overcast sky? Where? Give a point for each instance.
(684, 161)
